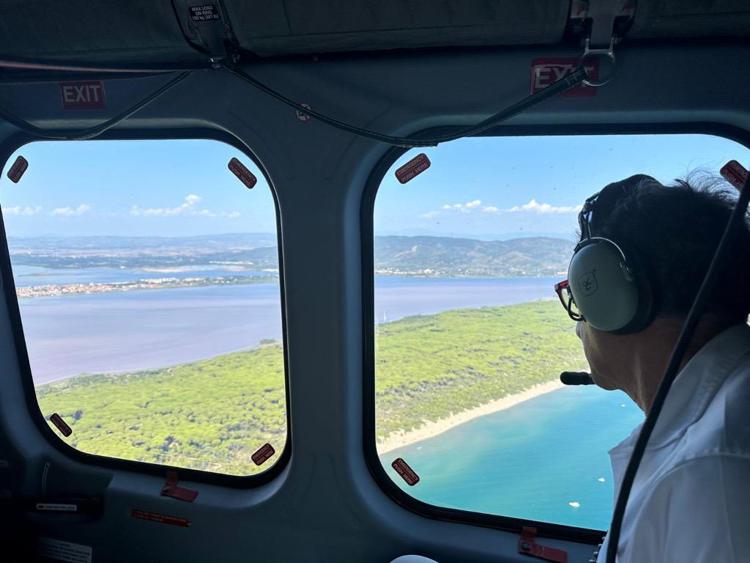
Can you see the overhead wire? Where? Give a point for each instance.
(52, 66)
(96, 130)
(574, 78)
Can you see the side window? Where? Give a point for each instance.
(147, 279)
(470, 337)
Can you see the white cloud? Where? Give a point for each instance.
(490, 209)
(187, 207)
(187, 204)
(535, 207)
(448, 207)
(71, 211)
(19, 210)
(430, 215)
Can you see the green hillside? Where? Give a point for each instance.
(215, 413)
(460, 257)
(394, 255)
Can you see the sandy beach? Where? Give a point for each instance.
(433, 428)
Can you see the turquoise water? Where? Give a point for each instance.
(544, 459)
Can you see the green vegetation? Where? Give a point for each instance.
(460, 257)
(429, 367)
(210, 415)
(215, 413)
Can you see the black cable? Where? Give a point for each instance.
(570, 80)
(696, 311)
(21, 64)
(91, 132)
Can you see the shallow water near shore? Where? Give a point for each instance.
(544, 459)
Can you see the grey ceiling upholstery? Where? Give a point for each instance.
(301, 26)
(148, 31)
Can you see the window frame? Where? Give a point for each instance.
(11, 145)
(367, 210)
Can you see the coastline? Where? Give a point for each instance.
(431, 429)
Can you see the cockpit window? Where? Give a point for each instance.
(147, 278)
(470, 239)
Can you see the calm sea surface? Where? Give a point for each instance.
(544, 459)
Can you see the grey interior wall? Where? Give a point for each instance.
(325, 505)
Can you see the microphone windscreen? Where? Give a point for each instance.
(576, 378)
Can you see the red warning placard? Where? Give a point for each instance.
(734, 173)
(548, 70)
(413, 168)
(171, 489)
(160, 518)
(241, 171)
(88, 94)
(61, 425)
(263, 454)
(17, 170)
(406, 472)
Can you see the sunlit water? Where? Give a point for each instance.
(544, 459)
(122, 331)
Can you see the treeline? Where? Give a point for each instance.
(214, 414)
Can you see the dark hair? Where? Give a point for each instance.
(673, 232)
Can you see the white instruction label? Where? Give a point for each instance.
(56, 507)
(64, 551)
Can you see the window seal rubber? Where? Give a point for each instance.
(11, 145)
(367, 208)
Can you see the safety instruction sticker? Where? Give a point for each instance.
(55, 507)
(61, 425)
(160, 518)
(406, 472)
(17, 170)
(241, 171)
(263, 454)
(548, 70)
(413, 168)
(59, 550)
(204, 13)
(734, 173)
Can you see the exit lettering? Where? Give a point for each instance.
(82, 95)
(546, 71)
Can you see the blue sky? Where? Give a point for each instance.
(521, 186)
(163, 188)
(481, 187)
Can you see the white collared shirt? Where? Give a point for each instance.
(690, 501)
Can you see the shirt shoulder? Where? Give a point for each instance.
(696, 512)
(723, 429)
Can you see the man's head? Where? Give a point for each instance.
(670, 233)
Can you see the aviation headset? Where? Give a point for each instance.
(610, 286)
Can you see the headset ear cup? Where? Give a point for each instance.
(611, 292)
(647, 299)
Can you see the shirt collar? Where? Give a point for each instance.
(694, 388)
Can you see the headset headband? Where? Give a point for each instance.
(584, 216)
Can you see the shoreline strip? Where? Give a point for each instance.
(431, 429)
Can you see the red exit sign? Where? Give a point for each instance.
(88, 94)
(546, 71)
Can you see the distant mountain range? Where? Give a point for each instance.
(459, 257)
(394, 255)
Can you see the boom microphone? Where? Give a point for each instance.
(576, 378)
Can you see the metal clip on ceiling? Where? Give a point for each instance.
(606, 22)
(207, 28)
